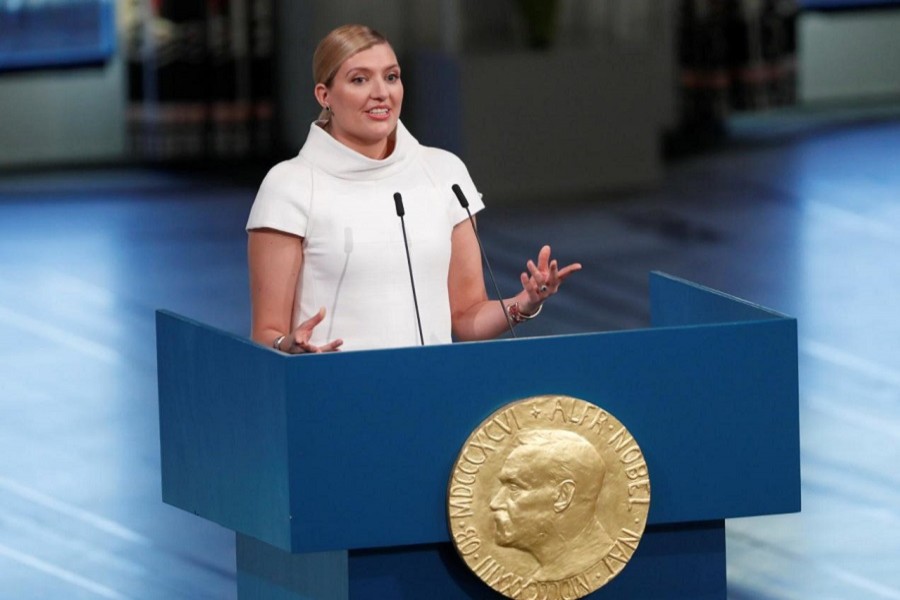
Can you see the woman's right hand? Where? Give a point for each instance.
(300, 337)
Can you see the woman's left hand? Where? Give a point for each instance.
(543, 279)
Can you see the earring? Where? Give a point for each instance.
(328, 108)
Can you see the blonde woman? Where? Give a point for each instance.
(328, 267)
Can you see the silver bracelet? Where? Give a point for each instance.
(277, 343)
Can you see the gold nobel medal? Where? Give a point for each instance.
(548, 498)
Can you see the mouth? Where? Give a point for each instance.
(379, 113)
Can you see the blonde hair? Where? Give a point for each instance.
(338, 46)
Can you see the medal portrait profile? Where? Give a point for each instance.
(548, 498)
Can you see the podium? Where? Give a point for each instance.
(332, 469)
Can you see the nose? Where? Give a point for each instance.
(379, 89)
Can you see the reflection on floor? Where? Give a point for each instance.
(805, 221)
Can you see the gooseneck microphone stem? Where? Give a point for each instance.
(398, 202)
(465, 204)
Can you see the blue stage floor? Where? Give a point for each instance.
(803, 218)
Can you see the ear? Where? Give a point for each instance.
(321, 93)
(565, 491)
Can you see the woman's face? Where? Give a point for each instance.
(365, 98)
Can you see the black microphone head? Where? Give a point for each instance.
(460, 196)
(398, 201)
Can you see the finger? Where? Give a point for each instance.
(526, 281)
(529, 286)
(312, 349)
(332, 346)
(565, 272)
(533, 269)
(314, 320)
(544, 258)
(303, 347)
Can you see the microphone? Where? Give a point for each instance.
(398, 202)
(465, 204)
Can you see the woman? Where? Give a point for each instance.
(327, 261)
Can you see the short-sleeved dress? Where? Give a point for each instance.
(354, 264)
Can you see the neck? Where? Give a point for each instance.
(378, 150)
(579, 548)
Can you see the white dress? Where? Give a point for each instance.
(354, 263)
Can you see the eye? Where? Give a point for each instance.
(393, 77)
(358, 79)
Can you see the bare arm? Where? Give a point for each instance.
(475, 317)
(274, 260)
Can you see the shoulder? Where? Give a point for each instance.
(287, 174)
(444, 164)
(289, 180)
(284, 199)
(447, 170)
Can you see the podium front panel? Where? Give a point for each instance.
(353, 450)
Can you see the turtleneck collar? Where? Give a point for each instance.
(326, 153)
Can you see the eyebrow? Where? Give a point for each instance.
(504, 479)
(369, 69)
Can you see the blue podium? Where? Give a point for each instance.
(332, 469)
